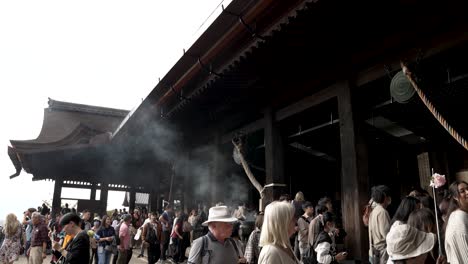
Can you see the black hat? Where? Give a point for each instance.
(70, 217)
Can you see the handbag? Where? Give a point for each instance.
(114, 245)
(108, 248)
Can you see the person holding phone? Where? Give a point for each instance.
(77, 250)
(324, 247)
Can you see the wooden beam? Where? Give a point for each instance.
(353, 185)
(290, 110)
(247, 129)
(113, 188)
(442, 43)
(308, 102)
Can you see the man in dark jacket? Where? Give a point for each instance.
(77, 251)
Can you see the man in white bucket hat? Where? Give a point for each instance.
(216, 246)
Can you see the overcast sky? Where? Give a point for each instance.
(105, 53)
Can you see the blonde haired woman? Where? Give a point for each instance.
(10, 249)
(278, 226)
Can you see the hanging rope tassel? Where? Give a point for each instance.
(432, 109)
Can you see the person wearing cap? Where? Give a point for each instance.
(77, 250)
(217, 246)
(406, 244)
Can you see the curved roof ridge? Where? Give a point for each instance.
(74, 107)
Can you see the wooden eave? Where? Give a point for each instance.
(215, 49)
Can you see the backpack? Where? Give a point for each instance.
(116, 235)
(366, 213)
(151, 236)
(204, 251)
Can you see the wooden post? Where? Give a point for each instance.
(56, 200)
(93, 193)
(153, 202)
(132, 199)
(103, 198)
(274, 157)
(354, 178)
(92, 198)
(216, 172)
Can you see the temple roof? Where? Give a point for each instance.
(68, 124)
(66, 127)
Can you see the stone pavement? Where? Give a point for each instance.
(134, 259)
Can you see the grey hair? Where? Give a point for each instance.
(36, 215)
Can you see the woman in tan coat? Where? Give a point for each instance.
(279, 224)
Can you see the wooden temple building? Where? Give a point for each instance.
(312, 86)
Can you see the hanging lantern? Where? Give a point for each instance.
(401, 89)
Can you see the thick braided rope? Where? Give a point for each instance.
(432, 109)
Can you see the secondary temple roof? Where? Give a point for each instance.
(66, 126)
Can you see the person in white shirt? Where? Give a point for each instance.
(325, 249)
(456, 230)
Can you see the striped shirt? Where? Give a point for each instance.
(456, 237)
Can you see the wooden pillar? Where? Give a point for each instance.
(56, 200)
(93, 193)
(354, 178)
(103, 198)
(132, 199)
(216, 173)
(274, 158)
(190, 188)
(162, 193)
(95, 209)
(186, 193)
(153, 201)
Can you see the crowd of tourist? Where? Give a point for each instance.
(287, 231)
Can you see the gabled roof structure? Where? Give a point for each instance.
(67, 128)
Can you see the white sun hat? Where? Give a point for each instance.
(404, 242)
(219, 214)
